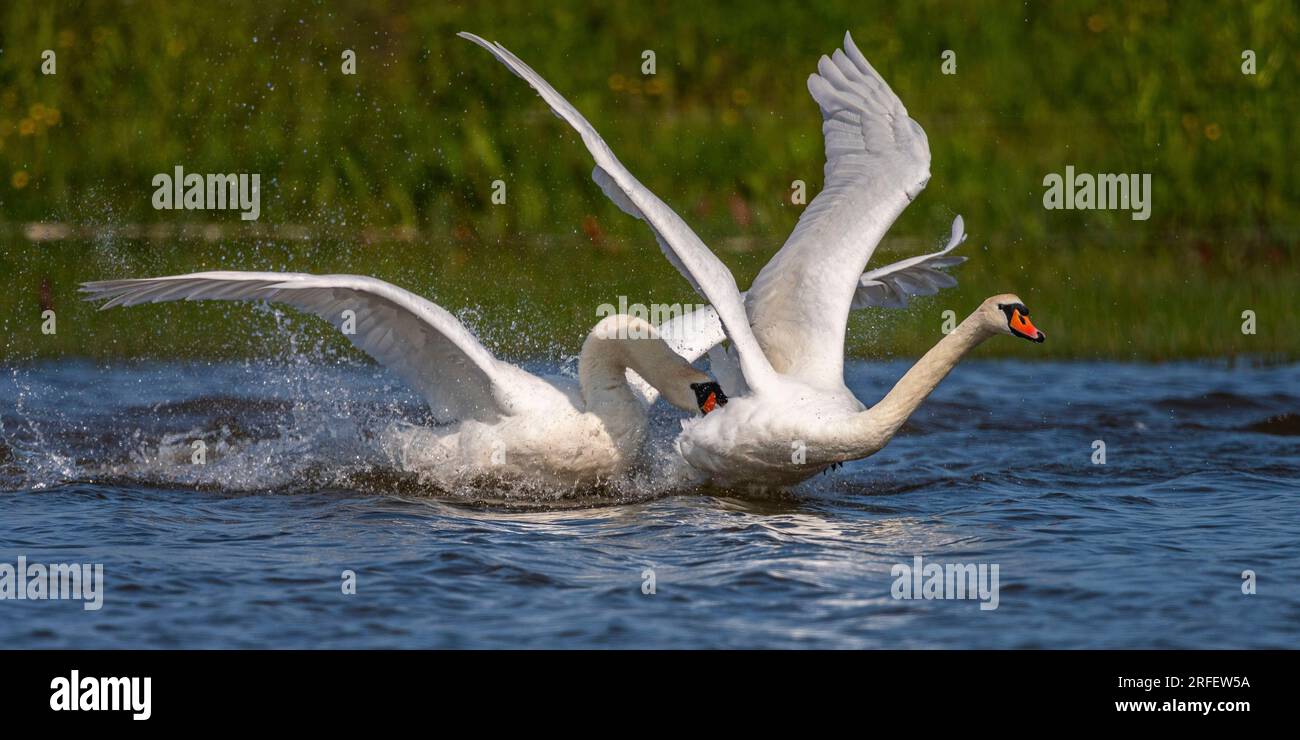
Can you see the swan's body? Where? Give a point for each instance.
(496, 419)
(791, 415)
(791, 429)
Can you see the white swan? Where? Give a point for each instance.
(509, 423)
(796, 416)
(698, 333)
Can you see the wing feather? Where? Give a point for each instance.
(701, 268)
(892, 285)
(877, 161)
(694, 334)
(417, 339)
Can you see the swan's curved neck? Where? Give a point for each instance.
(617, 344)
(877, 425)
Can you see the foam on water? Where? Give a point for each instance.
(269, 426)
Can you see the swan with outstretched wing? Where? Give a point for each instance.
(794, 416)
(498, 420)
(695, 334)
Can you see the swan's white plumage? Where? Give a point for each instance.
(877, 161)
(698, 333)
(787, 333)
(800, 418)
(415, 338)
(509, 423)
(892, 285)
(701, 268)
(694, 334)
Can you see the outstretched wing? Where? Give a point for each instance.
(695, 334)
(420, 341)
(877, 161)
(705, 272)
(892, 285)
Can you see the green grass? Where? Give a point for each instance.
(530, 301)
(417, 136)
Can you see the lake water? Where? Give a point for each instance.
(1201, 482)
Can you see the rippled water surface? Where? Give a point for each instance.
(1200, 484)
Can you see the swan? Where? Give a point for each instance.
(695, 334)
(791, 415)
(497, 420)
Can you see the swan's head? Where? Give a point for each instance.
(689, 389)
(1006, 314)
(708, 396)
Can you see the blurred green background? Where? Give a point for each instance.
(389, 171)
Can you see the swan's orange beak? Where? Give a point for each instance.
(709, 396)
(1021, 326)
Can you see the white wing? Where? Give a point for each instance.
(892, 285)
(694, 334)
(705, 272)
(420, 341)
(877, 161)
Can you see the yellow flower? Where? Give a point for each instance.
(1212, 132)
(67, 39)
(1097, 23)
(174, 47)
(26, 127)
(616, 82)
(19, 180)
(740, 97)
(654, 87)
(52, 117)
(36, 112)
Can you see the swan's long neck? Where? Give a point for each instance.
(617, 344)
(873, 428)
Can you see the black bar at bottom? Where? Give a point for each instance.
(231, 688)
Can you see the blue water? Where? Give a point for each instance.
(1200, 484)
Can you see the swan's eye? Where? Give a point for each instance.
(708, 396)
(1010, 308)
